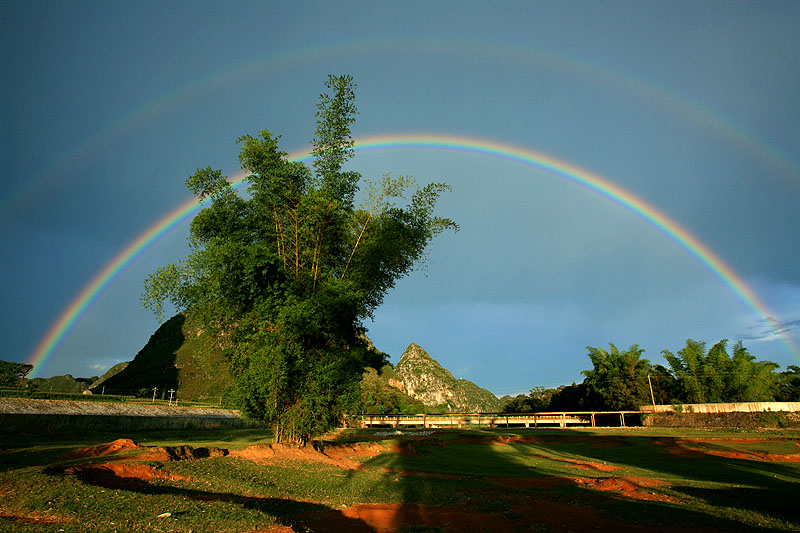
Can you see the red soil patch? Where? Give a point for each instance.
(118, 475)
(543, 482)
(341, 455)
(600, 467)
(676, 450)
(119, 445)
(563, 517)
(390, 518)
(629, 487)
(421, 474)
(729, 440)
(689, 448)
(180, 453)
(385, 518)
(405, 448)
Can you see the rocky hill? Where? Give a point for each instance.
(423, 378)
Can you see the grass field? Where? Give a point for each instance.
(623, 479)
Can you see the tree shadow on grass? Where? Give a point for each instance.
(299, 515)
(484, 481)
(722, 482)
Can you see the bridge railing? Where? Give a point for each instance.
(459, 420)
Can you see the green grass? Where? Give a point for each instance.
(448, 468)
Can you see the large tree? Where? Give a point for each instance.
(12, 373)
(286, 276)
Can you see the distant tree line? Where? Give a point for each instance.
(622, 380)
(12, 373)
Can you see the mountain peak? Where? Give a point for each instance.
(428, 381)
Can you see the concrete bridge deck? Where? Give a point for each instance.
(458, 420)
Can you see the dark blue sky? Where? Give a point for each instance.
(109, 106)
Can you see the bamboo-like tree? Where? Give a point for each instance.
(286, 276)
(715, 376)
(618, 380)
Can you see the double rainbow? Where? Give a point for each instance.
(574, 174)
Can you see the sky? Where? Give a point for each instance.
(690, 108)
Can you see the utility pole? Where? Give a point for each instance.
(652, 396)
(154, 394)
(170, 391)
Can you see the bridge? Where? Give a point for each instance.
(496, 420)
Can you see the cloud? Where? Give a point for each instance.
(771, 329)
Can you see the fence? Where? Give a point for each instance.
(496, 420)
(739, 407)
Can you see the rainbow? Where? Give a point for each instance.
(574, 174)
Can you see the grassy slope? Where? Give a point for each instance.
(227, 494)
(97, 386)
(177, 357)
(60, 384)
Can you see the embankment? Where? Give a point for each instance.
(55, 416)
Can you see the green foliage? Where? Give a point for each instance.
(787, 388)
(12, 373)
(285, 277)
(618, 379)
(537, 401)
(716, 376)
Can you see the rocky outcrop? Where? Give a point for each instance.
(426, 380)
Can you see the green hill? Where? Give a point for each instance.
(180, 357)
(177, 357)
(97, 386)
(60, 384)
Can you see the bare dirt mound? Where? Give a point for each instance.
(117, 475)
(342, 455)
(119, 445)
(180, 453)
(628, 487)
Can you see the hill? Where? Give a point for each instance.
(180, 357)
(62, 384)
(98, 385)
(423, 378)
(382, 393)
(177, 357)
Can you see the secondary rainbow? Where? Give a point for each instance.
(562, 169)
(678, 105)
